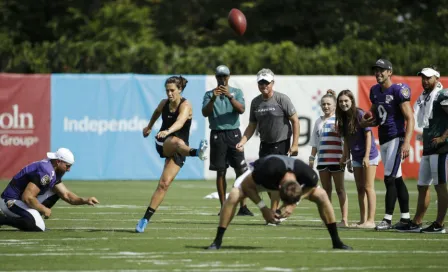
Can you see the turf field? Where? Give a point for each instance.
(102, 238)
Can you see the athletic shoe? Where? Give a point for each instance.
(141, 225)
(214, 246)
(434, 228)
(202, 150)
(409, 227)
(343, 247)
(383, 225)
(401, 224)
(244, 211)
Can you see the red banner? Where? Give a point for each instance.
(411, 165)
(24, 121)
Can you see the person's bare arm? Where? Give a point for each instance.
(71, 198)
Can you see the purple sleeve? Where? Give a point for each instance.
(371, 95)
(402, 93)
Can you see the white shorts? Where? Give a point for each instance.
(374, 162)
(17, 208)
(391, 157)
(433, 170)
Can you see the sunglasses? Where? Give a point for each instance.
(264, 82)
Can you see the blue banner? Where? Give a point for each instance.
(101, 117)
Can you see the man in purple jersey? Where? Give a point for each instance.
(392, 109)
(35, 189)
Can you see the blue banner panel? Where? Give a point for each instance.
(101, 118)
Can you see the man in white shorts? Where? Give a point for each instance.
(393, 116)
(431, 112)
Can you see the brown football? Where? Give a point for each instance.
(237, 21)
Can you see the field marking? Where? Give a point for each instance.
(270, 269)
(169, 220)
(224, 251)
(32, 241)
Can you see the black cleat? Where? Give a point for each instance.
(434, 228)
(244, 211)
(343, 247)
(409, 227)
(214, 246)
(401, 224)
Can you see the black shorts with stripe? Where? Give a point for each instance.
(223, 150)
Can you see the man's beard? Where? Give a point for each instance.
(430, 87)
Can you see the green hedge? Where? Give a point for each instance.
(349, 57)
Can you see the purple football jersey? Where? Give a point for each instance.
(388, 113)
(357, 142)
(40, 173)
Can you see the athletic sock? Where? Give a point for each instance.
(193, 152)
(149, 212)
(388, 218)
(333, 230)
(219, 235)
(402, 195)
(391, 194)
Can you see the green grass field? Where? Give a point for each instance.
(102, 238)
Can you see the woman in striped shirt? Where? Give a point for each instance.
(327, 145)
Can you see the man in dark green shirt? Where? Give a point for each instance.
(223, 106)
(431, 112)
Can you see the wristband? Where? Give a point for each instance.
(261, 204)
(312, 158)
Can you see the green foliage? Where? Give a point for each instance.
(192, 37)
(349, 57)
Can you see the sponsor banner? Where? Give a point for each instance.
(410, 166)
(101, 117)
(24, 121)
(305, 93)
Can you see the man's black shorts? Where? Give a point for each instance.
(279, 148)
(223, 150)
(177, 158)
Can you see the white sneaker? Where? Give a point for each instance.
(202, 150)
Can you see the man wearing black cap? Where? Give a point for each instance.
(293, 180)
(393, 116)
(223, 106)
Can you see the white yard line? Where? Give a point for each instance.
(27, 241)
(224, 251)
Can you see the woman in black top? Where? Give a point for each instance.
(171, 141)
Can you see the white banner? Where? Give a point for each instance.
(305, 93)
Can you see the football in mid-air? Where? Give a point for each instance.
(237, 21)
(368, 115)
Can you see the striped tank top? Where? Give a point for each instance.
(327, 141)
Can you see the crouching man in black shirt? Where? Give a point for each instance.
(292, 179)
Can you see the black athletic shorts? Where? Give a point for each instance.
(332, 168)
(223, 150)
(279, 148)
(177, 158)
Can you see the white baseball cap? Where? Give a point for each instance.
(62, 154)
(265, 74)
(429, 72)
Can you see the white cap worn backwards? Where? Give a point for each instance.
(62, 154)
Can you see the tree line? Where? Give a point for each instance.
(192, 37)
